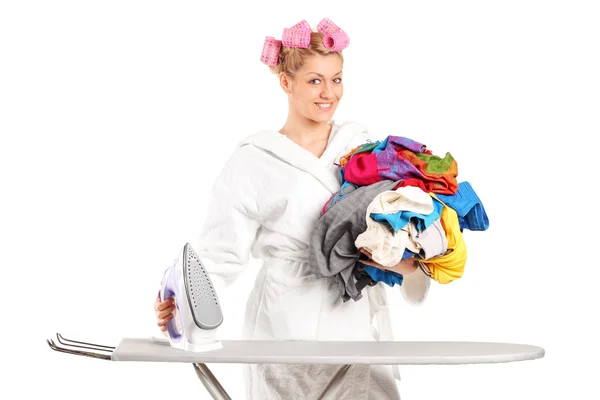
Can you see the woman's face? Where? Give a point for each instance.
(317, 88)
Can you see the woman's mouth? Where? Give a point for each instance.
(324, 106)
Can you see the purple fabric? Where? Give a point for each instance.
(390, 165)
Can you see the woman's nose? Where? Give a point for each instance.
(327, 91)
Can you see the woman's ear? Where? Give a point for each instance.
(286, 83)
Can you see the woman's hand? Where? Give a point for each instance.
(404, 267)
(164, 312)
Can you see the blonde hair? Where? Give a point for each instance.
(291, 59)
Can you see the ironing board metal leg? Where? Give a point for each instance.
(210, 382)
(330, 392)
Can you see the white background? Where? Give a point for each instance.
(116, 116)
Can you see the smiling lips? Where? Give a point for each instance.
(324, 106)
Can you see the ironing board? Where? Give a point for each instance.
(343, 353)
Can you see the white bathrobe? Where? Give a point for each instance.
(265, 203)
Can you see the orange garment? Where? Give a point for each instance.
(438, 174)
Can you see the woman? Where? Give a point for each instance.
(266, 201)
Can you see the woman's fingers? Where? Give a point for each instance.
(365, 252)
(374, 264)
(163, 321)
(371, 263)
(161, 305)
(162, 314)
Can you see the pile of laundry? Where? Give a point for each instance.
(397, 200)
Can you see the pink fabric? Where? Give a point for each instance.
(362, 169)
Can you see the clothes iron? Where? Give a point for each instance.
(197, 310)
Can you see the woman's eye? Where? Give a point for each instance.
(317, 81)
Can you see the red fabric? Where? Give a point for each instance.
(362, 169)
(412, 182)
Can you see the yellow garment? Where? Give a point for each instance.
(449, 266)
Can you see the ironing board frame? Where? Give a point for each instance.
(214, 388)
(345, 354)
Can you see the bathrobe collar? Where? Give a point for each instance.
(285, 149)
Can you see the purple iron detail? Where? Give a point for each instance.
(171, 290)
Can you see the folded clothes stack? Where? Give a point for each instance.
(397, 200)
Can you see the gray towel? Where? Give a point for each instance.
(332, 251)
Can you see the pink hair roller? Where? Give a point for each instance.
(270, 52)
(297, 36)
(336, 41)
(302, 25)
(335, 38)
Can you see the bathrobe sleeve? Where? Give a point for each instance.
(229, 231)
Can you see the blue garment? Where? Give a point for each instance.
(401, 218)
(407, 254)
(381, 146)
(468, 206)
(344, 191)
(388, 277)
